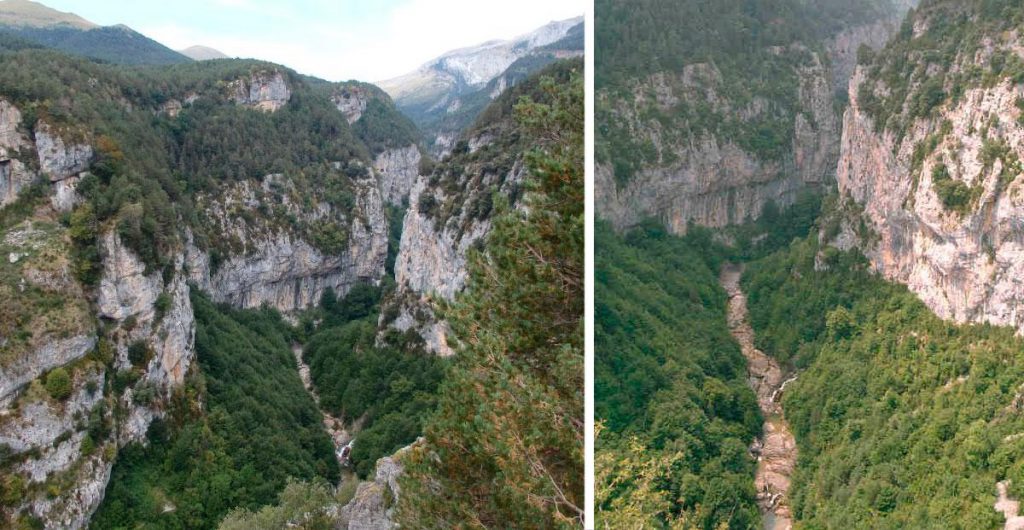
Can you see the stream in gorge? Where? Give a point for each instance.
(335, 428)
(776, 449)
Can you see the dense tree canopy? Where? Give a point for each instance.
(256, 427)
(670, 387)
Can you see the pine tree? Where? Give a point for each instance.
(505, 446)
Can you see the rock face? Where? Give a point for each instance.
(14, 176)
(373, 504)
(351, 102)
(715, 182)
(966, 266)
(62, 163)
(59, 160)
(279, 268)
(711, 180)
(432, 255)
(266, 91)
(397, 170)
(62, 458)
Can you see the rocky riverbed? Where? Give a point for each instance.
(776, 449)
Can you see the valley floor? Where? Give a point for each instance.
(334, 426)
(776, 449)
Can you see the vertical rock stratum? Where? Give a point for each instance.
(930, 165)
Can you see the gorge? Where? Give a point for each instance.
(217, 274)
(862, 170)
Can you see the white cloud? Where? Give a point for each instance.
(397, 42)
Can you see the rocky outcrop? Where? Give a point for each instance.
(266, 91)
(58, 159)
(276, 266)
(966, 265)
(351, 102)
(397, 170)
(432, 255)
(14, 176)
(372, 507)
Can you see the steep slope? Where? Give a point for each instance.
(707, 112)
(930, 161)
(903, 420)
(445, 96)
(72, 34)
(450, 212)
(120, 193)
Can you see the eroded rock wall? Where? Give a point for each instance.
(966, 266)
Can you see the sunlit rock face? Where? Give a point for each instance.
(967, 266)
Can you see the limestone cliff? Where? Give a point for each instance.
(449, 213)
(61, 447)
(372, 507)
(267, 91)
(939, 189)
(699, 144)
(397, 170)
(275, 265)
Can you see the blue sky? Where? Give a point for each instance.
(368, 40)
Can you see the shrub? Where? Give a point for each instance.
(58, 384)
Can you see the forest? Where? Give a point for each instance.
(902, 419)
(386, 388)
(150, 167)
(240, 428)
(670, 386)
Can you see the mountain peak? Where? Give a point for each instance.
(203, 53)
(26, 13)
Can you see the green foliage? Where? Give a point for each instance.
(776, 228)
(920, 71)
(300, 505)
(114, 44)
(748, 42)
(954, 194)
(902, 420)
(382, 127)
(58, 384)
(257, 428)
(149, 167)
(388, 388)
(670, 377)
(396, 220)
(505, 445)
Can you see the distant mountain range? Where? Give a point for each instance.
(445, 95)
(73, 34)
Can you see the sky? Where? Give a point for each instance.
(367, 40)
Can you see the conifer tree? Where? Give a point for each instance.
(505, 445)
